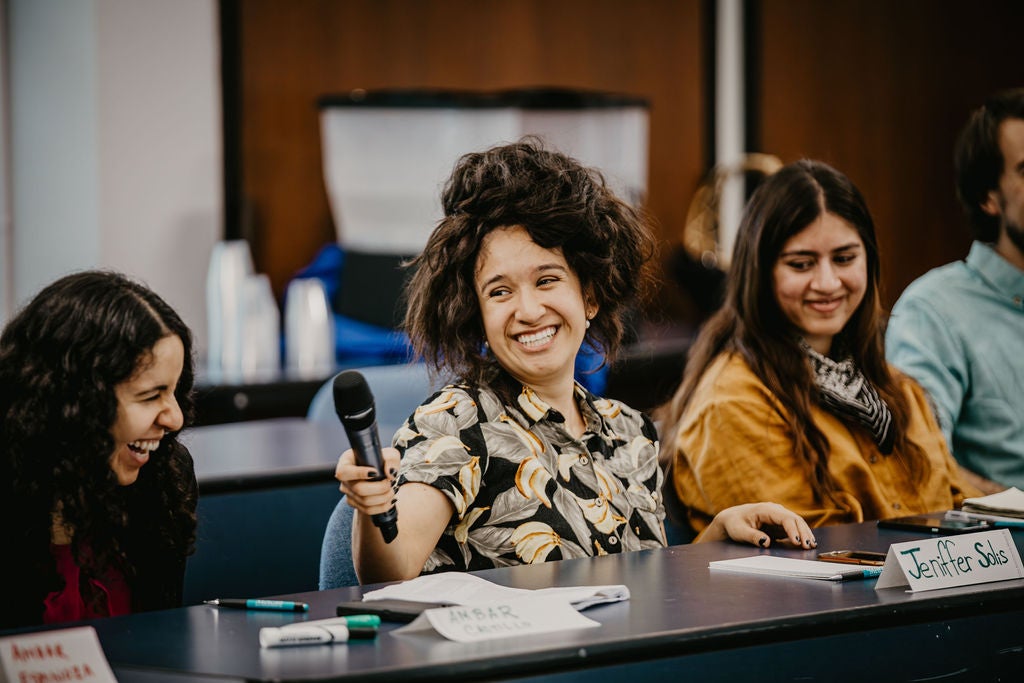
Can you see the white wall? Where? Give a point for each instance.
(6, 276)
(116, 144)
(53, 142)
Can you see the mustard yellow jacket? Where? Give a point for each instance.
(733, 446)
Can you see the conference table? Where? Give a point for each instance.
(682, 622)
(261, 454)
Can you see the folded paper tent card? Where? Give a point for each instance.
(480, 610)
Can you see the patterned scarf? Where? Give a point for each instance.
(847, 393)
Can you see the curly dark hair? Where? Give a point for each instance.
(562, 205)
(979, 160)
(61, 358)
(752, 324)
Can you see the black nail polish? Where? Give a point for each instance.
(373, 474)
(763, 542)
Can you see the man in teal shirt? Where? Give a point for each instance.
(959, 329)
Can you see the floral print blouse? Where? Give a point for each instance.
(522, 489)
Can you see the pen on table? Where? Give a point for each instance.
(276, 605)
(350, 620)
(871, 573)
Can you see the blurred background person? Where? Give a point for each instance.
(958, 329)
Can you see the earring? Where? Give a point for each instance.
(588, 323)
(487, 346)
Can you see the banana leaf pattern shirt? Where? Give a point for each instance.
(522, 489)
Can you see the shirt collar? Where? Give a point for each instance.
(535, 409)
(1001, 275)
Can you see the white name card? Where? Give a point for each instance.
(72, 654)
(489, 621)
(949, 561)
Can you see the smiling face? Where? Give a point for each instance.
(533, 309)
(146, 408)
(820, 278)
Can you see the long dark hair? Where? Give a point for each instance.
(751, 323)
(561, 204)
(61, 358)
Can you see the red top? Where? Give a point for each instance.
(68, 604)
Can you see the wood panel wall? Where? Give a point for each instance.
(877, 88)
(292, 51)
(880, 89)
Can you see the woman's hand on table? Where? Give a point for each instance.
(748, 523)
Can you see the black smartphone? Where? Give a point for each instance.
(936, 523)
(402, 611)
(866, 557)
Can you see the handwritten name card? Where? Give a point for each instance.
(516, 617)
(949, 561)
(72, 654)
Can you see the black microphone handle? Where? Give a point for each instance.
(366, 446)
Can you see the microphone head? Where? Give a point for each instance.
(353, 400)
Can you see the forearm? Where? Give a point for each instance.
(376, 561)
(423, 514)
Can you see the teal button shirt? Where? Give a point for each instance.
(959, 331)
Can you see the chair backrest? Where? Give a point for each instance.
(677, 527)
(336, 568)
(397, 390)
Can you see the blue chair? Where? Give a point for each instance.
(677, 529)
(397, 390)
(336, 568)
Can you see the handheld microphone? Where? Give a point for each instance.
(354, 405)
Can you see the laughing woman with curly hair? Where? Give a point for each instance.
(97, 496)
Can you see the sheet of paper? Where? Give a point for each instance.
(582, 597)
(787, 566)
(459, 588)
(71, 654)
(521, 616)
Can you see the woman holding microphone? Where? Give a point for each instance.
(515, 462)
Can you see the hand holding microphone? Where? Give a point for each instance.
(354, 405)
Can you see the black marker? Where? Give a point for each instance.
(276, 605)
